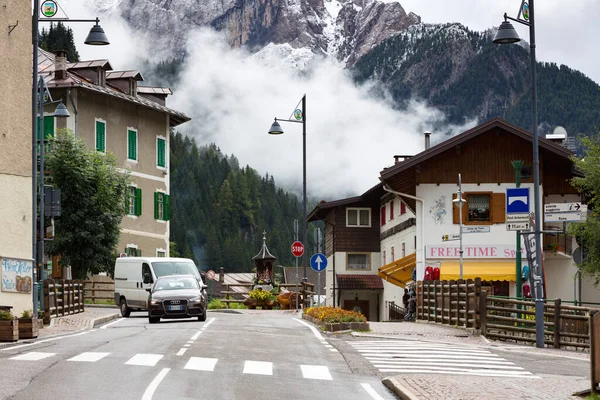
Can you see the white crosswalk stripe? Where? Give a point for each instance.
(193, 364)
(408, 357)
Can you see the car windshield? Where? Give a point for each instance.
(162, 268)
(176, 282)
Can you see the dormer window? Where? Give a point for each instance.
(358, 217)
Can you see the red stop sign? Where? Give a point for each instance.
(297, 249)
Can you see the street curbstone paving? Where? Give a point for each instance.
(402, 391)
(102, 320)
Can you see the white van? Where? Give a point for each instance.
(134, 276)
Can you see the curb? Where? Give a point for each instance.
(102, 320)
(100, 306)
(402, 391)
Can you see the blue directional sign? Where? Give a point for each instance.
(318, 262)
(517, 201)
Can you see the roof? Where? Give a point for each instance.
(124, 74)
(154, 90)
(46, 67)
(264, 253)
(89, 64)
(359, 281)
(469, 134)
(316, 215)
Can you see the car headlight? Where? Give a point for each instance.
(154, 302)
(196, 299)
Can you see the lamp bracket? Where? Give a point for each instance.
(97, 20)
(12, 27)
(288, 120)
(516, 20)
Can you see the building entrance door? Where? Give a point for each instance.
(362, 306)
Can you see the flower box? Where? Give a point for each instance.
(28, 328)
(339, 326)
(9, 331)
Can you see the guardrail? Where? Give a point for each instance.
(62, 297)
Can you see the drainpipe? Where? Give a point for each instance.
(333, 259)
(387, 189)
(74, 109)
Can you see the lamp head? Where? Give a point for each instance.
(97, 37)
(61, 111)
(506, 34)
(275, 129)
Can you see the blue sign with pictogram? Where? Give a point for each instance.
(517, 201)
(318, 262)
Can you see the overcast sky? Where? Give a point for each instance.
(351, 136)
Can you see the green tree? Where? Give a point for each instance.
(588, 232)
(93, 205)
(173, 250)
(58, 38)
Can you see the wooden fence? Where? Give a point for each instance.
(99, 289)
(303, 290)
(450, 302)
(62, 297)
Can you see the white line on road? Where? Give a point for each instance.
(181, 351)
(426, 371)
(187, 345)
(201, 364)
(312, 328)
(316, 372)
(43, 341)
(258, 367)
(111, 323)
(147, 360)
(154, 384)
(371, 391)
(32, 356)
(190, 341)
(196, 335)
(210, 321)
(89, 357)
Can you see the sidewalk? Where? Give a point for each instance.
(90, 318)
(466, 387)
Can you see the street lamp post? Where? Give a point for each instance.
(299, 117)
(95, 37)
(506, 34)
(459, 201)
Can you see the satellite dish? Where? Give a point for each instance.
(559, 130)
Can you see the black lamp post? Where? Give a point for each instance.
(299, 117)
(506, 34)
(95, 37)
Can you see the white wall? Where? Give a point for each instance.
(407, 236)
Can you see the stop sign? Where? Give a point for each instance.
(297, 249)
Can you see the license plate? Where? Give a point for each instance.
(175, 308)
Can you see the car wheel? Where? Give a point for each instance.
(202, 317)
(125, 311)
(153, 320)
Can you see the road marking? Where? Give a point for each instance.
(196, 335)
(154, 384)
(334, 350)
(89, 357)
(312, 328)
(258, 368)
(190, 341)
(32, 356)
(111, 323)
(203, 364)
(316, 372)
(147, 360)
(210, 321)
(181, 351)
(44, 341)
(187, 345)
(427, 371)
(387, 363)
(371, 391)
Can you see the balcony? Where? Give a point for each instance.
(558, 245)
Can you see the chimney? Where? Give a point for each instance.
(221, 275)
(427, 141)
(60, 65)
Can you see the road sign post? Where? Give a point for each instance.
(450, 237)
(517, 219)
(318, 262)
(210, 275)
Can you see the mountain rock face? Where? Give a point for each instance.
(344, 29)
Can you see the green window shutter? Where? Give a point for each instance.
(167, 207)
(48, 127)
(100, 136)
(138, 252)
(138, 202)
(132, 145)
(161, 153)
(156, 194)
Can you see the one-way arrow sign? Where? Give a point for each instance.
(318, 262)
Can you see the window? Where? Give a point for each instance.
(134, 201)
(382, 215)
(100, 136)
(403, 249)
(359, 217)
(132, 144)
(393, 254)
(358, 261)
(384, 259)
(402, 208)
(415, 243)
(161, 253)
(132, 251)
(391, 209)
(162, 206)
(48, 132)
(161, 157)
(481, 208)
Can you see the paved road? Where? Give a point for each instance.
(230, 356)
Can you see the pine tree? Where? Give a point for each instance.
(59, 38)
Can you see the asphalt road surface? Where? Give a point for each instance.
(230, 356)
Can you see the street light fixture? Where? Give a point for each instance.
(299, 116)
(506, 34)
(459, 201)
(95, 37)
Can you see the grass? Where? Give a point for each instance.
(217, 304)
(105, 302)
(593, 397)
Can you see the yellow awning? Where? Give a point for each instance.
(399, 272)
(487, 271)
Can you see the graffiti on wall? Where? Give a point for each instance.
(438, 210)
(17, 275)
